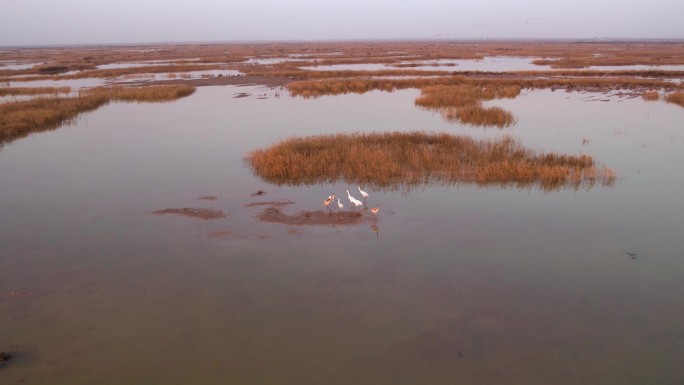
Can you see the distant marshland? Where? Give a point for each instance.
(464, 103)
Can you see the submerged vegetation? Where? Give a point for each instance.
(320, 217)
(18, 119)
(193, 212)
(464, 103)
(403, 160)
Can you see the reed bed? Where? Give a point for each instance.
(651, 96)
(4, 91)
(18, 119)
(478, 115)
(464, 103)
(402, 161)
(675, 98)
(317, 88)
(146, 94)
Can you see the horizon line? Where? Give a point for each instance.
(342, 40)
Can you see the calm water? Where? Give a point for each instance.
(489, 63)
(460, 285)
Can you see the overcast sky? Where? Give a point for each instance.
(39, 22)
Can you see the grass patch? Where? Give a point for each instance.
(478, 115)
(464, 103)
(316, 88)
(675, 98)
(399, 160)
(651, 96)
(147, 94)
(18, 119)
(13, 91)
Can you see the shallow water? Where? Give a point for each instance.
(491, 64)
(173, 75)
(133, 65)
(276, 60)
(149, 63)
(10, 65)
(460, 284)
(75, 84)
(638, 68)
(487, 64)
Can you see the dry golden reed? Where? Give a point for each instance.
(675, 98)
(464, 103)
(651, 96)
(4, 91)
(478, 115)
(18, 119)
(400, 160)
(316, 88)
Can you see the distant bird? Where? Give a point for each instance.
(631, 255)
(326, 202)
(363, 193)
(375, 210)
(339, 204)
(353, 200)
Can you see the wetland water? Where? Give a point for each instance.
(459, 285)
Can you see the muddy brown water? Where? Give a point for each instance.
(453, 284)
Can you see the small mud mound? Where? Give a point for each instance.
(282, 202)
(275, 215)
(16, 293)
(207, 197)
(222, 234)
(4, 357)
(193, 213)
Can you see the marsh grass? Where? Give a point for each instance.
(478, 115)
(651, 96)
(401, 161)
(146, 94)
(4, 91)
(464, 103)
(675, 98)
(317, 88)
(18, 119)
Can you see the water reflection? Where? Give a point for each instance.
(375, 229)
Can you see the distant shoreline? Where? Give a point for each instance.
(615, 40)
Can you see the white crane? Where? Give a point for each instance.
(355, 202)
(363, 193)
(339, 204)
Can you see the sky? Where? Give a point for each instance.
(51, 22)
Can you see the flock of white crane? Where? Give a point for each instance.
(352, 201)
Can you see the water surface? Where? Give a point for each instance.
(460, 285)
